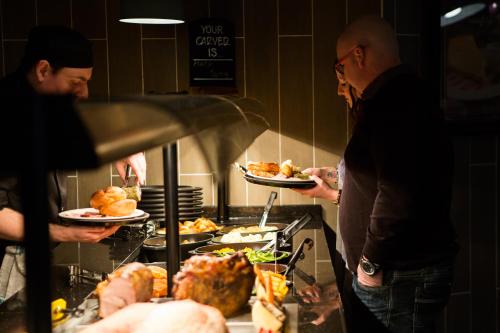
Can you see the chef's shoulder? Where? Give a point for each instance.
(11, 85)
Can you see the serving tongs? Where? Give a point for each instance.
(282, 237)
(298, 254)
(267, 209)
(133, 191)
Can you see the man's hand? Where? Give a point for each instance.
(326, 299)
(59, 233)
(322, 190)
(328, 174)
(138, 164)
(324, 311)
(311, 294)
(370, 281)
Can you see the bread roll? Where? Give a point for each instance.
(107, 196)
(119, 208)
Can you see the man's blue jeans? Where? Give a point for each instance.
(408, 300)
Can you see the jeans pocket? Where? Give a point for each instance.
(375, 299)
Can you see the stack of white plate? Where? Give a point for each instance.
(190, 202)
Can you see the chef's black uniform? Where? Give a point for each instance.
(15, 87)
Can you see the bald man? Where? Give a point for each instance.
(394, 214)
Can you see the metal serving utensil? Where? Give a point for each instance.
(288, 232)
(268, 207)
(299, 253)
(134, 191)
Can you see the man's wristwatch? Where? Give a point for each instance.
(368, 267)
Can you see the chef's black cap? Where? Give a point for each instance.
(60, 46)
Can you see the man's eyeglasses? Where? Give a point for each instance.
(339, 66)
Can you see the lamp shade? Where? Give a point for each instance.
(151, 11)
(459, 12)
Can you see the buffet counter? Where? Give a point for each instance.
(78, 268)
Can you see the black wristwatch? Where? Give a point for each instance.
(368, 267)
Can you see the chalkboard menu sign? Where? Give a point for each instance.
(211, 52)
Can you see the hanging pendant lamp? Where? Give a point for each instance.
(151, 11)
(458, 14)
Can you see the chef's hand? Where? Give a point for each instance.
(370, 281)
(59, 233)
(329, 174)
(322, 190)
(137, 163)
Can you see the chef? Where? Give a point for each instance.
(57, 60)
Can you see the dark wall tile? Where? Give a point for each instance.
(159, 66)
(483, 149)
(295, 88)
(441, 323)
(13, 52)
(72, 199)
(89, 17)
(124, 42)
(154, 160)
(409, 50)
(240, 66)
(194, 9)
(408, 16)
(292, 24)
(483, 261)
(54, 12)
(262, 55)
(90, 181)
(98, 86)
(231, 10)
(18, 18)
(460, 213)
(1, 45)
(296, 106)
(389, 11)
(458, 315)
(357, 8)
(329, 22)
(158, 30)
(498, 307)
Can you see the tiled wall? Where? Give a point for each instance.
(474, 305)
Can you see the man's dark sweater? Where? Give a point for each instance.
(396, 194)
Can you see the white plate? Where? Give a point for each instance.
(76, 214)
(285, 183)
